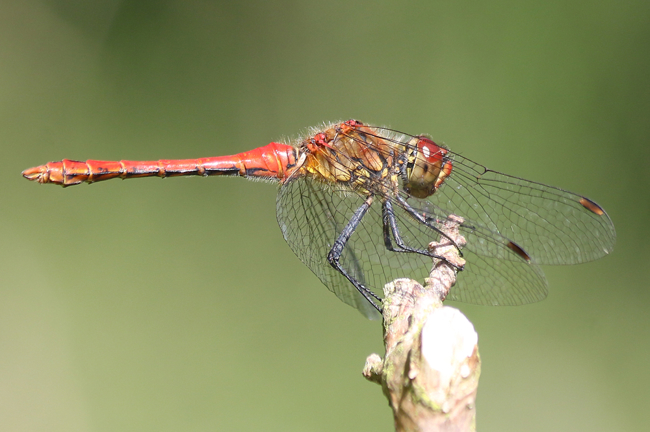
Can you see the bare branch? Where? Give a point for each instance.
(431, 369)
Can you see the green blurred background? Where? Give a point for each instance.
(169, 305)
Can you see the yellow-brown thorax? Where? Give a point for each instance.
(357, 156)
(353, 155)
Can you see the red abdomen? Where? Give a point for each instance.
(272, 161)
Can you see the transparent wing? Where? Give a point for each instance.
(552, 225)
(312, 214)
(494, 273)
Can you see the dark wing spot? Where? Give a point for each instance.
(592, 206)
(518, 250)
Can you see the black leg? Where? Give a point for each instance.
(423, 219)
(335, 253)
(390, 227)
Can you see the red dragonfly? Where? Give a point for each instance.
(359, 205)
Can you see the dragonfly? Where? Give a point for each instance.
(359, 205)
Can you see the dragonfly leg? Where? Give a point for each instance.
(390, 227)
(390, 223)
(334, 254)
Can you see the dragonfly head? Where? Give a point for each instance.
(427, 167)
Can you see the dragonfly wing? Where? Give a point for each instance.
(552, 225)
(494, 273)
(311, 217)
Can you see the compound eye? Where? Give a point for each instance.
(429, 150)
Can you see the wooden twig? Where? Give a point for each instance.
(431, 368)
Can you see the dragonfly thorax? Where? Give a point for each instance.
(348, 155)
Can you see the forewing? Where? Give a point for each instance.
(552, 225)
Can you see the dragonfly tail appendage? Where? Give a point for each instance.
(270, 161)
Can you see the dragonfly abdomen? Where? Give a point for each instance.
(272, 161)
